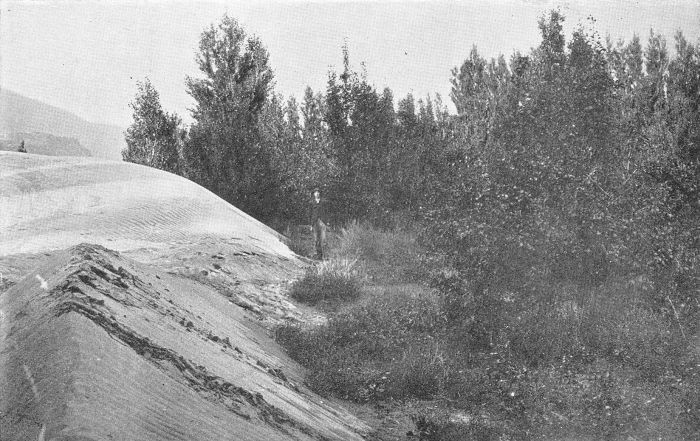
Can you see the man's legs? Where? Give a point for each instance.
(320, 236)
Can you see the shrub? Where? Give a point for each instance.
(472, 313)
(386, 346)
(443, 424)
(605, 401)
(299, 240)
(420, 373)
(329, 280)
(389, 255)
(578, 324)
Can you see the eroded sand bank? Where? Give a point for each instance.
(133, 306)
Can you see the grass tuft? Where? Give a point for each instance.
(389, 256)
(330, 280)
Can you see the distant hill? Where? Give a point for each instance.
(44, 144)
(19, 114)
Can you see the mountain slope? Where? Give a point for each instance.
(21, 114)
(44, 144)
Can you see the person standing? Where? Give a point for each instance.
(21, 148)
(318, 223)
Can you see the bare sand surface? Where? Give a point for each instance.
(136, 305)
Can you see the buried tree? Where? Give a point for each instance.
(224, 149)
(153, 138)
(224, 152)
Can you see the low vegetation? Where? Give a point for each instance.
(329, 281)
(388, 255)
(599, 362)
(385, 346)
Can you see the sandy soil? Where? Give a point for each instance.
(54, 202)
(134, 305)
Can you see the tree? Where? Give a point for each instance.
(298, 158)
(153, 138)
(406, 113)
(552, 48)
(522, 194)
(224, 151)
(475, 90)
(668, 155)
(291, 115)
(313, 110)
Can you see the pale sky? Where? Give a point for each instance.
(86, 56)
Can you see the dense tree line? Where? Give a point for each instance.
(265, 153)
(558, 213)
(575, 162)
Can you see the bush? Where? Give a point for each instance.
(605, 401)
(420, 373)
(389, 255)
(581, 325)
(386, 346)
(445, 425)
(472, 313)
(300, 240)
(329, 280)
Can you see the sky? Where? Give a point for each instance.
(86, 56)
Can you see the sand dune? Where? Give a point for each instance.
(119, 338)
(54, 202)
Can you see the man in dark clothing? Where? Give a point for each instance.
(318, 224)
(21, 147)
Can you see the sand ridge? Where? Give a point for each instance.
(156, 329)
(55, 202)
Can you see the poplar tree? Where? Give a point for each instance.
(153, 138)
(224, 152)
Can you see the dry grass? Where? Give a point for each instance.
(389, 256)
(330, 280)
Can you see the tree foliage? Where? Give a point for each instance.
(573, 164)
(224, 152)
(154, 138)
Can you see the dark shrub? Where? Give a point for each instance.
(328, 281)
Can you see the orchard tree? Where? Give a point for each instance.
(153, 138)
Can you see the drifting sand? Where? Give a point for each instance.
(51, 203)
(118, 339)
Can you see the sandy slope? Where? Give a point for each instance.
(100, 344)
(54, 202)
